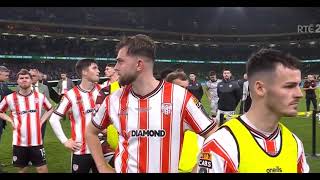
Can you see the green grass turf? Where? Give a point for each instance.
(58, 158)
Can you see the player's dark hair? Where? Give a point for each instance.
(176, 75)
(212, 73)
(23, 72)
(139, 45)
(111, 65)
(226, 69)
(266, 60)
(84, 64)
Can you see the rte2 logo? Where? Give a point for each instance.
(311, 28)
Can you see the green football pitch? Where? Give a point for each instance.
(58, 158)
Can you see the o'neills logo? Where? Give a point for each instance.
(147, 133)
(276, 169)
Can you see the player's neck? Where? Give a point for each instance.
(263, 119)
(144, 85)
(86, 85)
(25, 92)
(114, 78)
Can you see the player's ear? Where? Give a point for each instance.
(140, 64)
(259, 88)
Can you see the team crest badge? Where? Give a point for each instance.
(230, 85)
(75, 167)
(166, 108)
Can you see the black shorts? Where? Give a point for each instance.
(83, 164)
(21, 156)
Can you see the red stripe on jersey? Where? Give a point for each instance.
(98, 86)
(36, 98)
(83, 119)
(270, 146)
(300, 165)
(73, 127)
(192, 122)
(143, 141)
(91, 98)
(16, 105)
(45, 104)
(214, 146)
(67, 106)
(184, 106)
(123, 126)
(105, 119)
(166, 115)
(181, 123)
(26, 100)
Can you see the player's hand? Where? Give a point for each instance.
(72, 145)
(12, 123)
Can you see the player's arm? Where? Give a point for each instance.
(49, 110)
(216, 154)
(3, 109)
(46, 115)
(306, 86)
(206, 91)
(302, 164)
(96, 150)
(54, 120)
(99, 122)
(197, 119)
(5, 117)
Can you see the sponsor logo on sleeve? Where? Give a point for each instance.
(205, 160)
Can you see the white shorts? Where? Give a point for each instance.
(214, 106)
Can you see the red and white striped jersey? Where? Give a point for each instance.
(105, 84)
(81, 104)
(151, 128)
(26, 115)
(224, 152)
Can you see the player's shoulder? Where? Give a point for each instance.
(9, 97)
(176, 87)
(40, 95)
(117, 93)
(222, 136)
(299, 142)
(178, 91)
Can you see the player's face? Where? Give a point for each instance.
(4, 76)
(24, 81)
(182, 83)
(126, 67)
(92, 73)
(35, 76)
(310, 77)
(283, 92)
(192, 77)
(213, 78)
(226, 75)
(109, 71)
(63, 76)
(245, 76)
